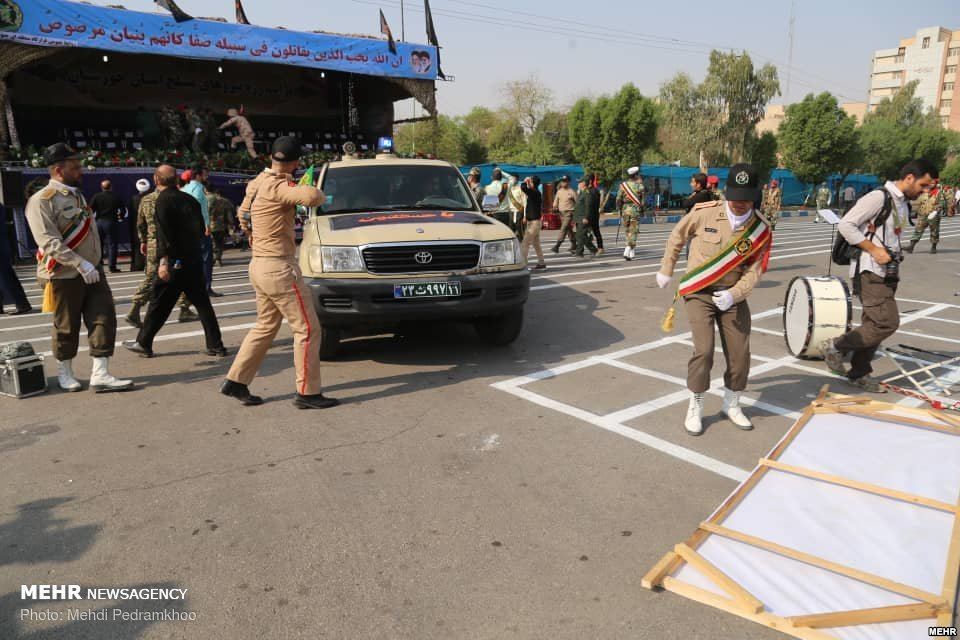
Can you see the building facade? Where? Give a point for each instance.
(931, 58)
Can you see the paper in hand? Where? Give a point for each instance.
(829, 216)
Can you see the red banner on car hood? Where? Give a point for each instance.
(358, 220)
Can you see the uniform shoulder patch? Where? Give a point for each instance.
(47, 193)
(705, 205)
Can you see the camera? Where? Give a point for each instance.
(892, 269)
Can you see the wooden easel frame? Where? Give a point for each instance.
(938, 608)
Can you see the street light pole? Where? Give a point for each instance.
(403, 24)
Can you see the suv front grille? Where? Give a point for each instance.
(403, 259)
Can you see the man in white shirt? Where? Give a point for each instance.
(875, 273)
(849, 197)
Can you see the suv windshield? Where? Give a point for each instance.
(392, 187)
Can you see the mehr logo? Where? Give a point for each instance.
(942, 631)
(742, 178)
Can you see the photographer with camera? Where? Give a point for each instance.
(874, 226)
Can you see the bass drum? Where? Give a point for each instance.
(815, 309)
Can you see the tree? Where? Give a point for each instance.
(951, 173)
(741, 93)
(443, 137)
(527, 101)
(817, 138)
(612, 133)
(762, 154)
(692, 121)
(480, 122)
(899, 130)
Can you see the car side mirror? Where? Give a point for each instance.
(490, 203)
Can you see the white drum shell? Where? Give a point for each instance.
(815, 309)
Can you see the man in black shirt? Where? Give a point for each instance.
(700, 192)
(595, 213)
(180, 234)
(110, 211)
(531, 218)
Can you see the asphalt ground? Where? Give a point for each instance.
(461, 491)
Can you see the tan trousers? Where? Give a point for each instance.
(281, 294)
(532, 237)
(734, 325)
(567, 228)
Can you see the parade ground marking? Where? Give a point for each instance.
(615, 422)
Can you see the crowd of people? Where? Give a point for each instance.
(178, 232)
(182, 224)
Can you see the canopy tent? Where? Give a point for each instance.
(677, 179)
(84, 68)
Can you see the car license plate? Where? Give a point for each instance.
(427, 290)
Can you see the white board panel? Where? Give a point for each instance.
(920, 461)
(900, 541)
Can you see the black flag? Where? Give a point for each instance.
(385, 30)
(432, 35)
(241, 14)
(178, 14)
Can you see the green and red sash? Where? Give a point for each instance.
(631, 194)
(745, 247)
(72, 237)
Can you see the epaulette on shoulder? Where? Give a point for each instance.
(705, 205)
(47, 193)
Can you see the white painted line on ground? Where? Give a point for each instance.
(178, 336)
(120, 316)
(664, 446)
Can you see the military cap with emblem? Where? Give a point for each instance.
(59, 152)
(286, 149)
(743, 183)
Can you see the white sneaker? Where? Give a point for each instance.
(101, 381)
(65, 376)
(633, 253)
(731, 407)
(626, 253)
(694, 420)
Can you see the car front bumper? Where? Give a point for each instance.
(350, 302)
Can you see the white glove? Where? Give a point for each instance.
(933, 216)
(723, 299)
(89, 272)
(663, 281)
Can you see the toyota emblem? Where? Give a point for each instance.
(423, 257)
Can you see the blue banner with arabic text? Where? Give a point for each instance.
(58, 23)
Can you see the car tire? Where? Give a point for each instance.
(501, 330)
(329, 342)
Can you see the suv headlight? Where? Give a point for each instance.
(500, 253)
(339, 259)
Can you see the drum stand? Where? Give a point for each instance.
(938, 376)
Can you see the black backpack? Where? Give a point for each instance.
(843, 254)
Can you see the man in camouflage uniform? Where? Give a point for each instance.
(629, 211)
(772, 201)
(823, 199)
(222, 215)
(147, 231)
(929, 208)
(171, 121)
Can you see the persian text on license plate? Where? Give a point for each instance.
(427, 290)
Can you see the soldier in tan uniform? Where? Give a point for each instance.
(728, 241)
(267, 214)
(68, 255)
